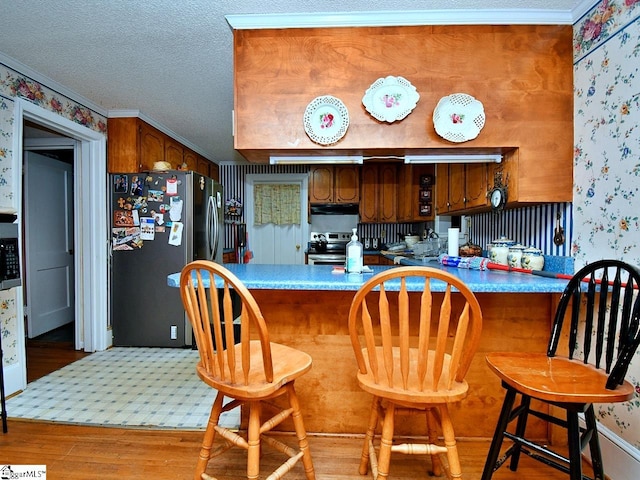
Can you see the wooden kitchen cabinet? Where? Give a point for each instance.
(135, 146)
(152, 143)
(192, 160)
(334, 184)
(409, 189)
(201, 164)
(174, 153)
(371, 259)
(379, 193)
(461, 187)
(229, 257)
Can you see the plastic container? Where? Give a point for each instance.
(431, 247)
(354, 261)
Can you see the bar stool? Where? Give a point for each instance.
(250, 372)
(594, 336)
(413, 352)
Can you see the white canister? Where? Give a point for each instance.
(500, 250)
(514, 257)
(532, 259)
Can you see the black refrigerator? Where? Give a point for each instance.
(160, 221)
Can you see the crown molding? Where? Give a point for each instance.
(402, 18)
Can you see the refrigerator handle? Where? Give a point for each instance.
(212, 229)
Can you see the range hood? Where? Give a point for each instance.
(334, 209)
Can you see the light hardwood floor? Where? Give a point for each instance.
(83, 453)
(79, 452)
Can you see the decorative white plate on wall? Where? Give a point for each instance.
(390, 99)
(326, 120)
(458, 117)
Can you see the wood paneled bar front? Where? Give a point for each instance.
(307, 307)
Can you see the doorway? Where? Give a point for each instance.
(48, 237)
(91, 240)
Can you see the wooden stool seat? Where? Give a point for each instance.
(556, 379)
(413, 393)
(297, 363)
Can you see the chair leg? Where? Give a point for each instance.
(450, 442)
(503, 420)
(575, 457)
(301, 433)
(209, 437)
(521, 427)
(594, 444)
(368, 438)
(436, 464)
(253, 439)
(386, 441)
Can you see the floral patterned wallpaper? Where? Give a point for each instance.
(12, 85)
(606, 196)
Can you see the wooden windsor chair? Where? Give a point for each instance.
(595, 334)
(413, 350)
(252, 372)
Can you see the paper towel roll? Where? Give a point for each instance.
(452, 249)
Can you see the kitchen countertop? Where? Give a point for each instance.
(320, 277)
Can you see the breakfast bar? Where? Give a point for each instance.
(307, 306)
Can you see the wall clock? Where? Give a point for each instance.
(498, 194)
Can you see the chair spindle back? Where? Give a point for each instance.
(602, 304)
(382, 313)
(207, 290)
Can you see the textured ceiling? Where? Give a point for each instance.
(171, 60)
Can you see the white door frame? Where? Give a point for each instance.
(91, 239)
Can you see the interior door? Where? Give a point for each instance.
(48, 220)
(277, 244)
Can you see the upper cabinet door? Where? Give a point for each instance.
(347, 184)
(151, 146)
(321, 184)
(174, 154)
(476, 185)
(379, 193)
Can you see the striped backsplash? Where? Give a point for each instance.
(530, 226)
(533, 226)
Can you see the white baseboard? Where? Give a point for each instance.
(621, 459)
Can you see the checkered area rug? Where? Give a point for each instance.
(124, 387)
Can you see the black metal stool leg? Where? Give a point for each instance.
(521, 426)
(575, 457)
(498, 436)
(594, 444)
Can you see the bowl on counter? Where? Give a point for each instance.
(411, 240)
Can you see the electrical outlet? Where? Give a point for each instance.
(174, 332)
